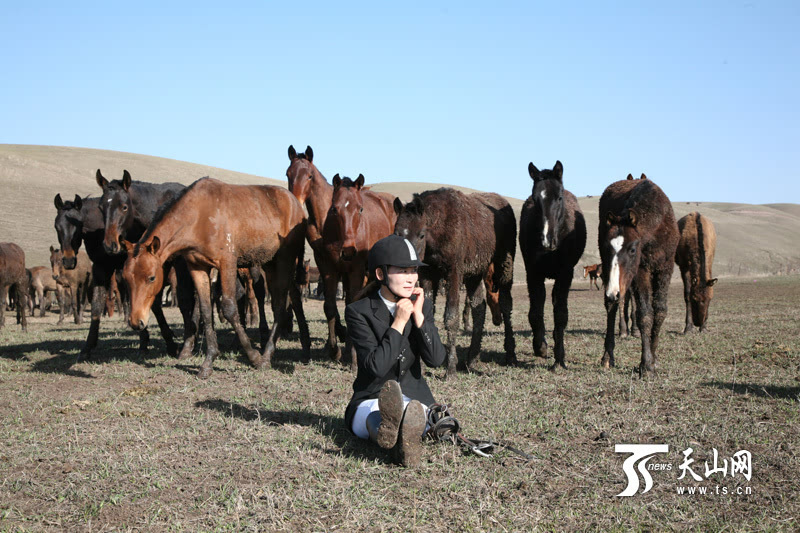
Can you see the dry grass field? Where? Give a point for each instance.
(136, 442)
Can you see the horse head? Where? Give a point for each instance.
(548, 197)
(620, 252)
(56, 262)
(144, 273)
(347, 207)
(412, 224)
(69, 228)
(301, 173)
(117, 208)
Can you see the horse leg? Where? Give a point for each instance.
(40, 296)
(353, 283)
(184, 295)
(260, 289)
(687, 291)
(60, 299)
(537, 295)
(465, 315)
(228, 279)
(506, 305)
(166, 331)
(203, 285)
(279, 278)
(3, 299)
(476, 299)
(560, 298)
(296, 302)
(612, 307)
(22, 305)
(660, 301)
(332, 315)
(451, 321)
(100, 281)
(643, 292)
(624, 309)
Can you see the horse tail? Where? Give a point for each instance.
(504, 264)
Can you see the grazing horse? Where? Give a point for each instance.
(593, 272)
(13, 274)
(552, 236)
(460, 237)
(311, 188)
(78, 280)
(694, 257)
(81, 222)
(129, 207)
(357, 219)
(637, 237)
(216, 225)
(42, 284)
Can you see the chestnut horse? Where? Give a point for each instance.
(217, 225)
(77, 281)
(13, 274)
(42, 284)
(357, 219)
(593, 272)
(637, 237)
(460, 237)
(311, 188)
(552, 237)
(694, 257)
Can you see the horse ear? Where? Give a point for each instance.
(154, 246)
(126, 179)
(78, 202)
(633, 217)
(359, 181)
(309, 154)
(534, 172)
(337, 181)
(58, 202)
(558, 170)
(398, 206)
(630, 177)
(101, 181)
(711, 282)
(292, 153)
(53, 250)
(643, 177)
(611, 219)
(128, 245)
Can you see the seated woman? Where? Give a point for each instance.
(392, 330)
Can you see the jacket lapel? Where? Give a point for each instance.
(379, 309)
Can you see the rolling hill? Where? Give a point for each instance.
(753, 240)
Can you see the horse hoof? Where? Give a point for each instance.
(512, 361)
(204, 372)
(185, 354)
(335, 353)
(555, 368)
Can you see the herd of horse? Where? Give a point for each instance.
(213, 238)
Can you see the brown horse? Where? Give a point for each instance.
(13, 274)
(694, 257)
(357, 219)
(637, 237)
(42, 284)
(311, 188)
(216, 225)
(77, 280)
(593, 272)
(461, 237)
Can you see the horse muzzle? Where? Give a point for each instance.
(348, 253)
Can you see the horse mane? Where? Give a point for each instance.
(348, 183)
(162, 212)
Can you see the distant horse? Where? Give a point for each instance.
(642, 177)
(78, 280)
(460, 237)
(593, 272)
(637, 237)
(129, 207)
(552, 237)
(311, 188)
(357, 219)
(302, 277)
(43, 284)
(81, 222)
(694, 257)
(13, 274)
(216, 225)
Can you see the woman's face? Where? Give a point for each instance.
(401, 280)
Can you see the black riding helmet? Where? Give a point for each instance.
(395, 251)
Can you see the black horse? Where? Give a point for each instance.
(552, 236)
(129, 207)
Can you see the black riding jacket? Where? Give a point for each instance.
(385, 354)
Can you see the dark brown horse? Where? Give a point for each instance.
(42, 285)
(637, 237)
(552, 237)
(460, 237)
(694, 257)
(216, 225)
(78, 280)
(358, 218)
(311, 188)
(13, 274)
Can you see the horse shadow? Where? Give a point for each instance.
(772, 392)
(333, 427)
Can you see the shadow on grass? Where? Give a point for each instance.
(764, 391)
(349, 445)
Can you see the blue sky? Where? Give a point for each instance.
(700, 96)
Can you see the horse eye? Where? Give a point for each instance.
(361, 210)
(124, 207)
(632, 251)
(151, 279)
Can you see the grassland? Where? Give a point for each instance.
(136, 442)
